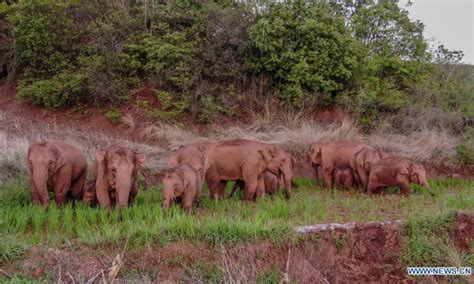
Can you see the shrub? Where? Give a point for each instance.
(292, 43)
(113, 115)
(64, 89)
(465, 154)
(45, 40)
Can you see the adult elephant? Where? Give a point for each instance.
(56, 166)
(396, 171)
(246, 160)
(116, 171)
(271, 181)
(330, 156)
(362, 161)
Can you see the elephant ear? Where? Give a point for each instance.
(383, 154)
(137, 162)
(173, 161)
(101, 184)
(205, 164)
(59, 157)
(99, 163)
(266, 154)
(293, 161)
(405, 172)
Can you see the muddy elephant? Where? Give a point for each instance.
(330, 156)
(362, 161)
(396, 171)
(246, 160)
(271, 181)
(115, 171)
(193, 156)
(344, 177)
(182, 184)
(56, 166)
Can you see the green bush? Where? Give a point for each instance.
(45, 39)
(113, 115)
(465, 154)
(64, 89)
(304, 50)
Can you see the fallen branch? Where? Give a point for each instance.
(311, 229)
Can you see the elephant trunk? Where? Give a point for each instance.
(288, 183)
(424, 182)
(166, 202)
(40, 181)
(123, 187)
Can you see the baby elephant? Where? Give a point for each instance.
(56, 166)
(344, 177)
(182, 184)
(396, 172)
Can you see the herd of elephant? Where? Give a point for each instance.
(258, 168)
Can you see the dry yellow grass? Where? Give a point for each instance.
(430, 146)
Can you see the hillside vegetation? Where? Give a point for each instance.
(209, 60)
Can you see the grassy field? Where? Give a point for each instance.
(232, 222)
(227, 221)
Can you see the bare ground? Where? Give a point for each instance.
(366, 253)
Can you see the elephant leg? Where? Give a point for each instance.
(77, 187)
(260, 192)
(133, 192)
(372, 187)
(328, 176)
(221, 189)
(404, 185)
(213, 181)
(251, 184)
(348, 183)
(316, 175)
(61, 189)
(35, 198)
(188, 200)
(363, 178)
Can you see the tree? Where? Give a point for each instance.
(304, 50)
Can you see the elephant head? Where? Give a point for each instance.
(44, 159)
(193, 156)
(417, 175)
(314, 154)
(117, 172)
(173, 186)
(370, 156)
(276, 162)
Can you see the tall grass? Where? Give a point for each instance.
(433, 146)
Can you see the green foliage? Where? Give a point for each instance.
(465, 154)
(63, 89)
(45, 40)
(11, 249)
(203, 272)
(172, 105)
(113, 115)
(271, 276)
(304, 50)
(211, 59)
(427, 242)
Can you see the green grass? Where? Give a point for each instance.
(226, 221)
(427, 242)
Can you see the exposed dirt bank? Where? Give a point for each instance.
(368, 252)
